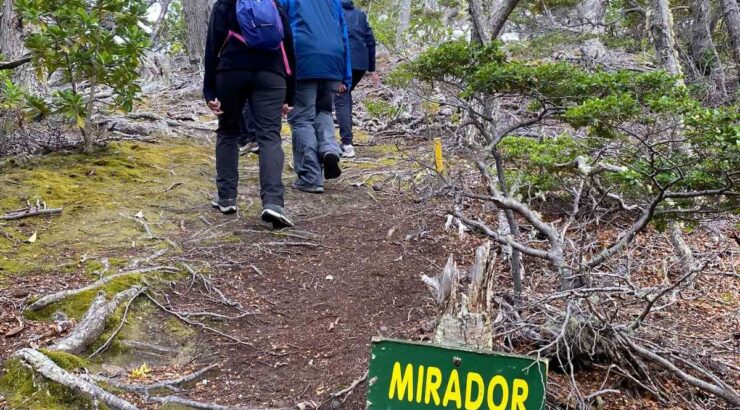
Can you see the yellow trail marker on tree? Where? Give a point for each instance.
(439, 163)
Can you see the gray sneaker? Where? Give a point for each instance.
(305, 188)
(225, 205)
(348, 151)
(250, 148)
(275, 214)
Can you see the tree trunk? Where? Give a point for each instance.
(660, 23)
(488, 18)
(703, 52)
(11, 42)
(404, 20)
(732, 22)
(500, 12)
(591, 16)
(196, 13)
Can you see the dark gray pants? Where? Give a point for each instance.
(313, 129)
(343, 105)
(264, 91)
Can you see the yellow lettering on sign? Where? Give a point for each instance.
(498, 381)
(402, 385)
(453, 393)
(471, 404)
(519, 395)
(433, 382)
(420, 384)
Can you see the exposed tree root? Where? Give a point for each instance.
(208, 406)
(146, 389)
(92, 324)
(63, 294)
(47, 368)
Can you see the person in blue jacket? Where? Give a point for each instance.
(322, 70)
(362, 49)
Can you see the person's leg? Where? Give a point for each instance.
(342, 105)
(305, 145)
(324, 125)
(231, 91)
(328, 148)
(265, 102)
(357, 76)
(243, 127)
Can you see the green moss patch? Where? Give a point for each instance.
(25, 390)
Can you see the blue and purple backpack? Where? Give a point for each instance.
(261, 26)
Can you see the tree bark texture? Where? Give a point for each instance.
(731, 13)
(404, 20)
(11, 41)
(489, 17)
(196, 13)
(703, 52)
(660, 23)
(591, 15)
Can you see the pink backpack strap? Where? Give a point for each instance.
(285, 59)
(228, 37)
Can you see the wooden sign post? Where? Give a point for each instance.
(407, 376)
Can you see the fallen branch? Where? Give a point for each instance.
(47, 368)
(29, 212)
(351, 386)
(92, 324)
(63, 294)
(9, 65)
(727, 394)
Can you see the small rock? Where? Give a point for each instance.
(377, 187)
(383, 329)
(113, 371)
(329, 277)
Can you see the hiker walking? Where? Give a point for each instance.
(322, 70)
(248, 60)
(362, 50)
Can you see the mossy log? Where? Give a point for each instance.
(47, 368)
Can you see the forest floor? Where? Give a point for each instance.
(316, 294)
(310, 299)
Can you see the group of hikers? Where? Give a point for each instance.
(269, 58)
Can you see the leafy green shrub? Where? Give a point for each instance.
(91, 43)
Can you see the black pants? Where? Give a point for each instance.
(264, 91)
(248, 134)
(344, 107)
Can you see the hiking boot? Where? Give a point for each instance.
(297, 184)
(250, 148)
(331, 166)
(348, 151)
(225, 205)
(275, 214)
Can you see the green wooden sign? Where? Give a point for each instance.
(407, 376)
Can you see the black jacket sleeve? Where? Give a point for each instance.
(217, 32)
(290, 51)
(371, 43)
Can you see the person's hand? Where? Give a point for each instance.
(342, 88)
(376, 78)
(287, 109)
(215, 106)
